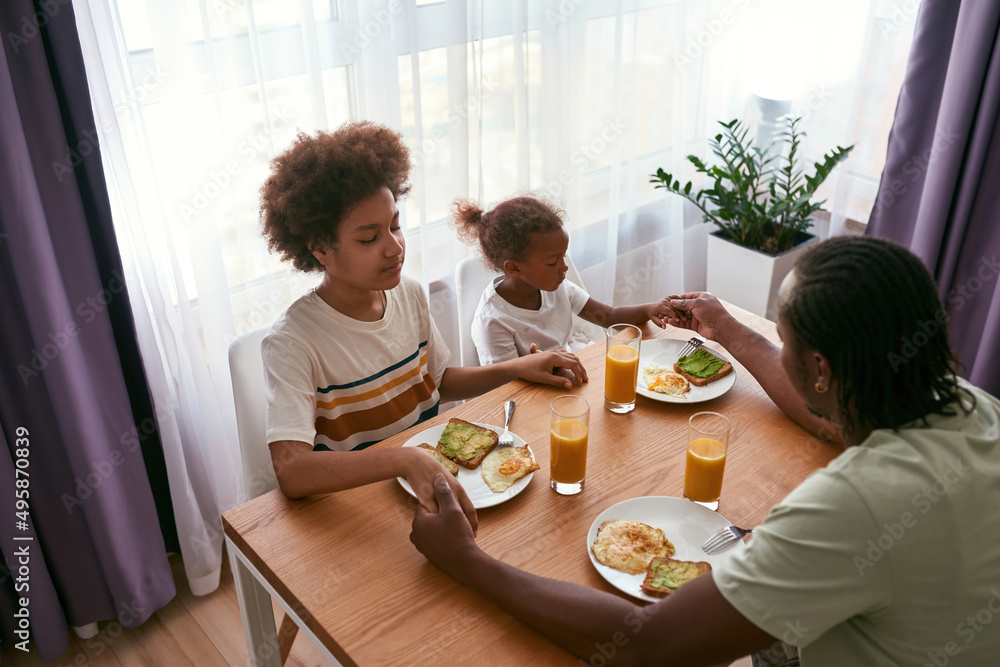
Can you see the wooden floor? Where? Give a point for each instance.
(201, 631)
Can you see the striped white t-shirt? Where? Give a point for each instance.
(343, 384)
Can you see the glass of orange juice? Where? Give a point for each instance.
(708, 440)
(621, 367)
(568, 444)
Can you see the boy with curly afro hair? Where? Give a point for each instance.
(358, 358)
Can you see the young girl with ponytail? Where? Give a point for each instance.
(532, 304)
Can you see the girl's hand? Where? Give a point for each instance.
(661, 313)
(420, 471)
(547, 367)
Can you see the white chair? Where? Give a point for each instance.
(246, 368)
(594, 332)
(471, 278)
(247, 371)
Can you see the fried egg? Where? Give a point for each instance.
(629, 546)
(504, 466)
(665, 381)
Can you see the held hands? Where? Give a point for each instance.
(422, 472)
(446, 536)
(547, 367)
(662, 313)
(700, 312)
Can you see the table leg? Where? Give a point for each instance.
(257, 614)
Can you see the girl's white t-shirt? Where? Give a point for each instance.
(502, 331)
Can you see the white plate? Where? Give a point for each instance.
(663, 352)
(471, 480)
(685, 523)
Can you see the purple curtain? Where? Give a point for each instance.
(940, 190)
(83, 542)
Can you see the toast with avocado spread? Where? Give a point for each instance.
(665, 575)
(466, 444)
(448, 464)
(702, 367)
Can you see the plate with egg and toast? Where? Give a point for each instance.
(648, 547)
(488, 473)
(702, 376)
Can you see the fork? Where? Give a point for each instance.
(724, 539)
(690, 346)
(506, 439)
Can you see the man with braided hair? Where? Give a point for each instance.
(888, 556)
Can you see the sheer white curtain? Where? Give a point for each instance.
(576, 100)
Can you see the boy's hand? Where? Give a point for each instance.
(421, 472)
(547, 367)
(444, 536)
(661, 313)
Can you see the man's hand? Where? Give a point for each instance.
(701, 312)
(445, 537)
(547, 367)
(422, 472)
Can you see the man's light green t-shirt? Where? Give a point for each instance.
(888, 556)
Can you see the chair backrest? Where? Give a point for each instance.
(594, 332)
(246, 367)
(471, 278)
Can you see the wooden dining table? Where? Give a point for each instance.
(342, 564)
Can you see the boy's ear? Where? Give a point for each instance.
(319, 252)
(510, 266)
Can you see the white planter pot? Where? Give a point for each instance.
(749, 278)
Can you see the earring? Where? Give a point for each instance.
(819, 389)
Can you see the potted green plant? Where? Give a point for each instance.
(761, 201)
